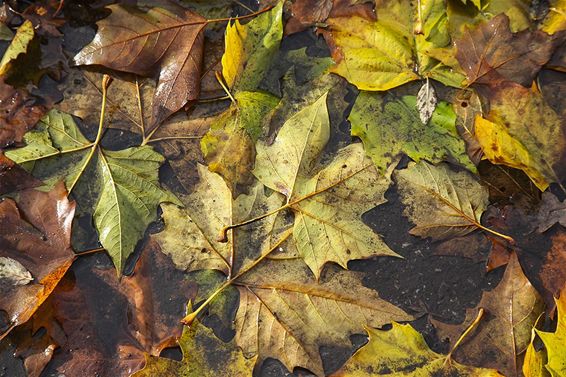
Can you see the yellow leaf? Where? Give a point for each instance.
(555, 342)
(555, 20)
(19, 45)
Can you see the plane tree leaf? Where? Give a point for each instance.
(402, 351)
(522, 131)
(503, 334)
(35, 234)
(390, 126)
(404, 44)
(285, 313)
(490, 53)
(328, 204)
(167, 42)
(554, 341)
(440, 202)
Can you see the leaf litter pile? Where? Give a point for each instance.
(307, 187)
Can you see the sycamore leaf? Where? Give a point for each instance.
(167, 42)
(522, 131)
(503, 334)
(374, 115)
(490, 53)
(12, 272)
(383, 54)
(555, 20)
(554, 341)
(229, 146)
(402, 351)
(250, 49)
(328, 205)
(127, 184)
(19, 45)
(196, 343)
(286, 314)
(426, 101)
(440, 202)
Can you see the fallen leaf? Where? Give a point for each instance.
(328, 204)
(196, 343)
(519, 124)
(440, 202)
(403, 351)
(167, 42)
(554, 341)
(374, 113)
(490, 53)
(551, 211)
(19, 45)
(533, 365)
(286, 314)
(466, 105)
(37, 234)
(6, 34)
(13, 273)
(13, 177)
(552, 273)
(426, 101)
(555, 20)
(504, 332)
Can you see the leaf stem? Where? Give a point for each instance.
(140, 108)
(173, 138)
(225, 87)
(464, 334)
(88, 252)
(212, 20)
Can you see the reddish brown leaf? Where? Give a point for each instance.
(18, 114)
(13, 177)
(553, 271)
(167, 42)
(37, 234)
(490, 53)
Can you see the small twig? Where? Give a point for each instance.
(89, 252)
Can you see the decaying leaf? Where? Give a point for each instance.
(13, 273)
(19, 45)
(503, 334)
(168, 42)
(13, 177)
(402, 351)
(374, 114)
(522, 131)
(554, 341)
(555, 20)
(551, 211)
(426, 101)
(36, 233)
(552, 273)
(466, 105)
(286, 314)
(440, 202)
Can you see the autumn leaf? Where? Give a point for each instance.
(522, 131)
(286, 314)
(504, 334)
(19, 45)
(551, 211)
(404, 44)
(167, 42)
(554, 341)
(127, 182)
(555, 20)
(13, 177)
(36, 236)
(438, 140)
(328, 205)
(403, 351)
(533, 365)
(552, 274)
(196, 342)
(490, 53)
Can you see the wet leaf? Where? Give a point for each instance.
(374, 113)
(551, 211)
(519, 124)
(164, 42)
(402, 351)
(554, 341)
(490, 53)
(504, 333)
(440, 202)
(37, 234)
(19, 45)
(13, 177)
(13, 273)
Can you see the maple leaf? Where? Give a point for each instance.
(554, 341)
(35, 233)
(164, 41)
(503, 335)
(490, 53)
(436, 141)
(402, 348)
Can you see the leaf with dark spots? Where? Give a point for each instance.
(490, 53)
(13, 177)
(166, 42)
(37, 233)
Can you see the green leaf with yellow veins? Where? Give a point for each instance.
(374, 114)
(328, 203)
(522, 131)
(19, 45)
(250, 49)
(400, 46)
(403, 352)
(229, 146)
(555, 342)
(196, 343)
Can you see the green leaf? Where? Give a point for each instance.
(390, 126)
(19, 45)
(250, 49)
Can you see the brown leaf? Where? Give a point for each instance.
(490, 53)
(167, 42)
(553, 271)
(551, 211)
(18, 114)
(13, 177)
(504, 332)
(39, 237)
